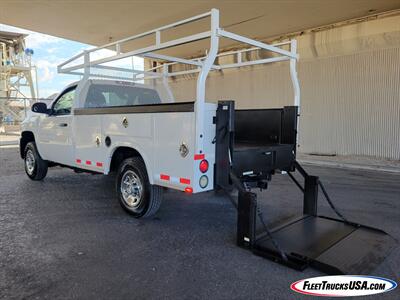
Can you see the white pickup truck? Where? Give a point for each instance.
(106, 126)
(103, 123)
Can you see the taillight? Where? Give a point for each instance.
(203, 166)
(188, 190)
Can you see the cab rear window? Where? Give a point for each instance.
(108, 95)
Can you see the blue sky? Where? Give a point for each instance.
(50, 51)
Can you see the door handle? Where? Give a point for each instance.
(63, 125)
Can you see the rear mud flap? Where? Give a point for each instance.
(330, 245)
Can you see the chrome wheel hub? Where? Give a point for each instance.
(30, 162)
(131, 189)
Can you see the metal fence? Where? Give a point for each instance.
(12, 112)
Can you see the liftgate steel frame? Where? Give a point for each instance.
(204, 64)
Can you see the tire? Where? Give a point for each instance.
(35, 166)
(135, 193)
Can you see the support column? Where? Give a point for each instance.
(310, 195)
(246, 224)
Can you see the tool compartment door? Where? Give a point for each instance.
(174, 149)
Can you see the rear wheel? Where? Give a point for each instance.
(135, 193)
(35, 166)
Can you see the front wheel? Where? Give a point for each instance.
(35, 166)
(135, 193)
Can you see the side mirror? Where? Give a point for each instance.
(40, 108)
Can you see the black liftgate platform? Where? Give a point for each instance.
(251, 146)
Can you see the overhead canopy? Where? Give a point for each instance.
(10, 37)
(99, 22)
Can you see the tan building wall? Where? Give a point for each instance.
(350, 88)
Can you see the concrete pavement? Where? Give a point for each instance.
(68, 238)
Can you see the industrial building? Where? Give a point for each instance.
(18, 85)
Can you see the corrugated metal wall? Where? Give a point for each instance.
(350, 89)
(351, 104)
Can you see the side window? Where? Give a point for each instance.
(95, 98)
(108, 95)
(63, 105)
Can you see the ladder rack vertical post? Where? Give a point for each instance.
(86, 65)
(201, 80)
(158, 37)
(171, 97)
(295, 82)
(293, 74)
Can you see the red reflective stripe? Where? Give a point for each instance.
(199, 156)
(88, 162)
(184, 180)
(99, 164)
(164, 177)
(78, 161)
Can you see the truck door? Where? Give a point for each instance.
(89, 141)
(55, 136)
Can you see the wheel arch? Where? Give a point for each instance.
(26, 137)
(121, 152)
